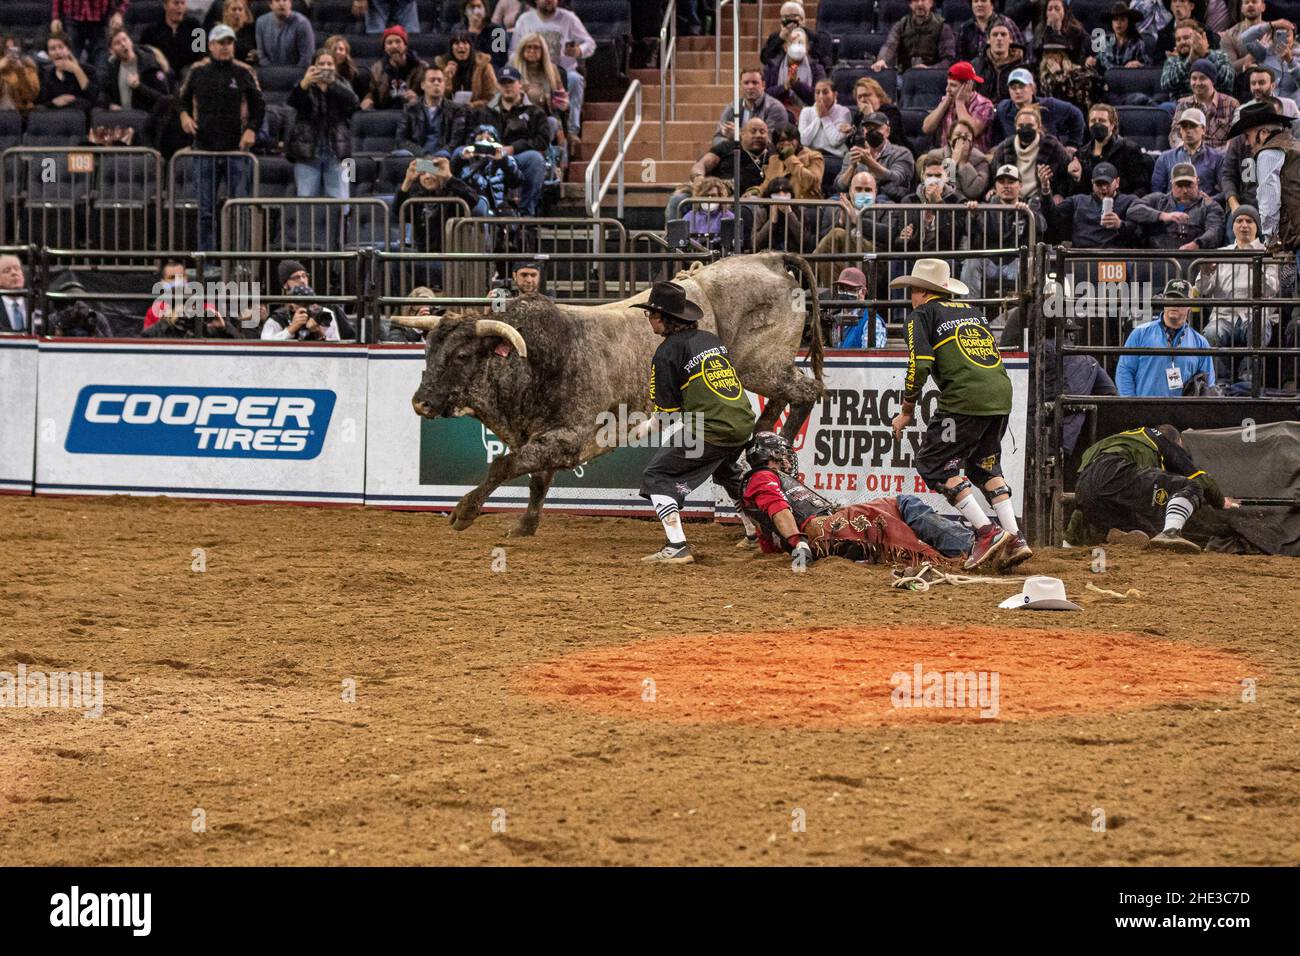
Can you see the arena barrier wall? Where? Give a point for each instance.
(18, 363)
(242, 421)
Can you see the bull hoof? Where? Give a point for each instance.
(462, 516)
(524, 528)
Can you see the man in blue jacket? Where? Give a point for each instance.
(1164, 376)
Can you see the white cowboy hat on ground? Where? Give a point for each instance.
(1041, 594)
(934, 275)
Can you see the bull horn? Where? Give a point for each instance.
(489, 327)
(426, 323)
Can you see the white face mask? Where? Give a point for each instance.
(932, 181)
(796, 51)
(709, 206)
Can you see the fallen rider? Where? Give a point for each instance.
(794, 519)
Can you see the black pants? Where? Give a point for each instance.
(1115, 493)
(956, 443)
(676, 472)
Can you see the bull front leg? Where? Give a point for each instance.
(547, 452)
(539, 483)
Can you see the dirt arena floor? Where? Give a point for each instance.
(575, 707)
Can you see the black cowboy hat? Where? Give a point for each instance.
(670, 299)
(1256, 114)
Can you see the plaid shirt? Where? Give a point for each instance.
(1218, 119)
(87, 11)
(1175, 78)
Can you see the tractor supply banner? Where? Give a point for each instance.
(18, 363)
(413, 462)
(848, 452)
(239, 420)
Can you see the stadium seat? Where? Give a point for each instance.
(1284, 10)
(280, 118)
(427, 46)
(277, 81)
(135, 119)
(11, 129)
(889, 12)
(912, 120)
(331, 16)
(1148, 126)
(922, 88)
(845, 77)
(860, 46)
(956, 12)
(375, 131)
(365, 172)
(840, 17)
(366, 47)
(1121, 82)
(1095, 14)
(27, 20)
(55, 128)
(605, 18)
(276, 176)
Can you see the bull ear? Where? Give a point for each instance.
(494, 328)
(426, 323)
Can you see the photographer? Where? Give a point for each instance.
(81, 321)
(489, 170)
(176, 325)
(322, 133)
(432, 178)
(300, 319)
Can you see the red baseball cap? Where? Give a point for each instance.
(963, 72)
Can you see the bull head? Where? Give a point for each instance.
(459, 377)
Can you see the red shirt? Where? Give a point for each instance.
(764, 490)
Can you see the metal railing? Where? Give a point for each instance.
(307, 225)
(595, 188)
(184, 202)
(717, 44)
(667, 74)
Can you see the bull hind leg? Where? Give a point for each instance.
(539, 483)
(785, 387)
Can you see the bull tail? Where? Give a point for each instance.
(815, 349)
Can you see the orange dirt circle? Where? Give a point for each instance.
(842, 678)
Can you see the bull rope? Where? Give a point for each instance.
(923, 577)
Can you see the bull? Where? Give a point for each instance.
(540, 375)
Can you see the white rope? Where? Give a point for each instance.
(922, 577)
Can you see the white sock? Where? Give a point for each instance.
(667, 510)
(751, 530)
(1177, 511)
(1006, 515)
(971, 510)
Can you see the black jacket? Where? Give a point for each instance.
(54, 86)
(332, 109)
(415, 126)
(213, 93)
(156, 83)
(522, 128)
(1126, 156)
(177, 46)
(427, 218)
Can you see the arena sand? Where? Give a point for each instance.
(575, 707)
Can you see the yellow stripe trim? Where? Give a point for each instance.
(921, 358)
(659, 408)
(944, 342)
(1196, 474)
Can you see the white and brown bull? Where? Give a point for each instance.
(543, 376)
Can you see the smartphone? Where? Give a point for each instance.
(425, 166)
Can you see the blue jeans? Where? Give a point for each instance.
(382, 14)
(90, 37)
(209, 173)
(532, 166)
(946, 536)
(1004, 279)
(323, 176)
(577, 88)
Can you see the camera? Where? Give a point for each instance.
(77, 317)
(488, 148)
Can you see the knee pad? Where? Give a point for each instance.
(952, 493)
(1004, 490)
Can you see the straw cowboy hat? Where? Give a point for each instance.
(932, 275)
(1041, 594)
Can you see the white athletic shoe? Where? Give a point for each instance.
(671, 554)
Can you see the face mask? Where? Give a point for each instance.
(1026, 134)
(863, 200)
(796, 51)
(709, 206)
(875, 138)
(783, 197)
(1099, 131)
(932, 181)
(299, 290)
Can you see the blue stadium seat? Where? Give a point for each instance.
(1095, 14)
(391, 172)
(604, 18)
(956, 12)
(922, 88)
(1121, 82)
(365, 172)
(912, 120)
(1148, 126)
(366, 46)
(330, 17)
(275, 176)
(55, 128)
(11, 129)
(375, 131)
(427, 46)
(1284, 10)
(139, 15)
(860, 46)
(430, 13)
(840, 17)
(889, 12)
(27, 20)
(845, 77)
(135, 119)
(277, 81)
(450, 16)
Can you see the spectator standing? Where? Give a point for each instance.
(1207, 161)
(1004, 55)
(1060, 119)
(891, 165)
(754, 101)
(284, 37)
(1164, 376)
(960, 102)
(321, 138)
(87, 24)
(65, 83)
(174, 35)
(1252, 14)
(433, 126)
(471, 78)
(1105, 145)
(20, 80)
(345, 66)
(1183, 218)
(1217, 108)
(972, 36)
(790, 79)
(919, 40)
(793, 18)
(1191, 45)
(1277, 172)
(1234, 326)
(570, 44)
(222, 108)
(1122, 47)
(394, 77)
(524, 132)
(384, 14)
(237, 15)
